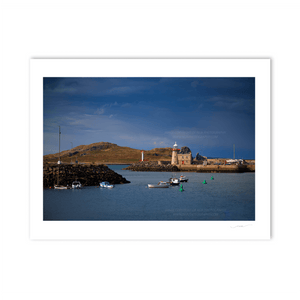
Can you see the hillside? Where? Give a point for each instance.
(104, 152)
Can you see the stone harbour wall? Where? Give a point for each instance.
(88, 175)
(154, 166)
(157, 167)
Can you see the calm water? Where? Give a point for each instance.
(227, 197)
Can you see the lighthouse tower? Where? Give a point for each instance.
(175, 151)
(142, 151)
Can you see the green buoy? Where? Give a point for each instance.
(204, 182)
(212, 178)
(181, 188)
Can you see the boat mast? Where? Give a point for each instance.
(59, 144)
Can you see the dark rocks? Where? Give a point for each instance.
(103, 145)
(152, 166)
(88, 175)
(200, 157)
(74, 153)
(185, 150)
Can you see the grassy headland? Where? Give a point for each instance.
(108, 153)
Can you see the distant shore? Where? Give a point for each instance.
(156, 167)
(121, 164)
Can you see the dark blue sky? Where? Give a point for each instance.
(208, 115)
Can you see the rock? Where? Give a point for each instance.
(185, 150)
(200, 157)
(74, 153)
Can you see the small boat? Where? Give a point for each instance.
(76, 185)
(183, 179)
(164, 183)
(106, 184)
(61, 187)
(159, 185)
(174, 181)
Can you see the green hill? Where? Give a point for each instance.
(105, 153)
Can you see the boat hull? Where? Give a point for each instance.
(157, 186)
(106, 185)
(174, 181)
(61, 187)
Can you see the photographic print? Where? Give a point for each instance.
(148, 148)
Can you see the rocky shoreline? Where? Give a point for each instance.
(88, 175)
(151, 166)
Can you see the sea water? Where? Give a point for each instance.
(229, 196)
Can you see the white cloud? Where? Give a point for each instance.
(99, 111)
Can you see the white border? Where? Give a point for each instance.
(152, 230)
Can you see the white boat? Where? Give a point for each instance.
(61, 187)
(76, 185)
(183, 179)
(174, 181)
(106, 184)
(161, 184)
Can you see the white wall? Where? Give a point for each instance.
(149, 269)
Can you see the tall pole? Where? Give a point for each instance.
(233, 151)
(59, 141)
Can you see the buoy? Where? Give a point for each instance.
(204, 182)
(212, 178)
(181, 188)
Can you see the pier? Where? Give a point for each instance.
(88, 175)
(167, 167)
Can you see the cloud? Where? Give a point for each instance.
(193, 136)
(119, 90)
(99, 111)
(126, 105)
(233, 103)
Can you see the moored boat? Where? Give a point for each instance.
(174, 181)
(158, 185)
(106, 184)
(76, 185)
(183, 179)
(164, 183)
(61, 187)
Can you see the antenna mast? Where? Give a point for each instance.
(233, 151)
(59, 144)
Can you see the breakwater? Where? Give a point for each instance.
(88, 175)
(159, 167)
(225, 168)
(152, 166)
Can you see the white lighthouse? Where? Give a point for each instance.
(175, 151)
(142, 151)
